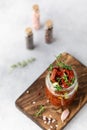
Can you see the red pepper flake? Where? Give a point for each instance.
(39, 93)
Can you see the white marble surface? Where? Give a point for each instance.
(70, 32)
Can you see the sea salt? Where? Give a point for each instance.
(49, 119)
(48, 122)
(27, 91)
(51, 126)
(45, 122)
(34, 102)
(44, 117)
(53, 120)
(56, 126)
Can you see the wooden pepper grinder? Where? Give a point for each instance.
(36, 17)
(49, 31)
(29, 38)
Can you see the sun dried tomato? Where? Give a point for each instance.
(71, 74)
(60, 73)
(53, 75)
(64, 84)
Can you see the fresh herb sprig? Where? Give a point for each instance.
(61, 63)
(23, 63)
(59, 57)
(40, 111)
(50, 67)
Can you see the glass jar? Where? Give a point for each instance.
(63, 97)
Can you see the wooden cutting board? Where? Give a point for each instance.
(30, 101)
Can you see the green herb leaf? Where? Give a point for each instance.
(68, 67)
(19, 63)
(59, 56)
(23, 63)
(73, 79)
(14, 66)
(58, 79)
(50, 67)
(63, 65)
(31, 60)
(40, 111)
(69, 84)
(65, 78)
(58, 88)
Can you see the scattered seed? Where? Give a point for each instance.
(56, 126)
(51, 126)
(53, 120)
(49, 119)
(50, 116)
(27, 91)
(34, 102)
(48, 122)
(45, 122)
(44, 117)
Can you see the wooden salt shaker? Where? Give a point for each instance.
(29, 38)
(36, 17)
(49, 31)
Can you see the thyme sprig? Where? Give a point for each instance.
(61, 63)
(40, 111)
(23, 63)
(50, 67)
(58, 58)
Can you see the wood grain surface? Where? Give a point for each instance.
(30, 101)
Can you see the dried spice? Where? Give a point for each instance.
(29, 38)
(49, 31)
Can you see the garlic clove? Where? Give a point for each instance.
(65, 114)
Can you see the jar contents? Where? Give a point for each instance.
(61, 84)
(49, 31)
(29, 38)
(36, 17)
